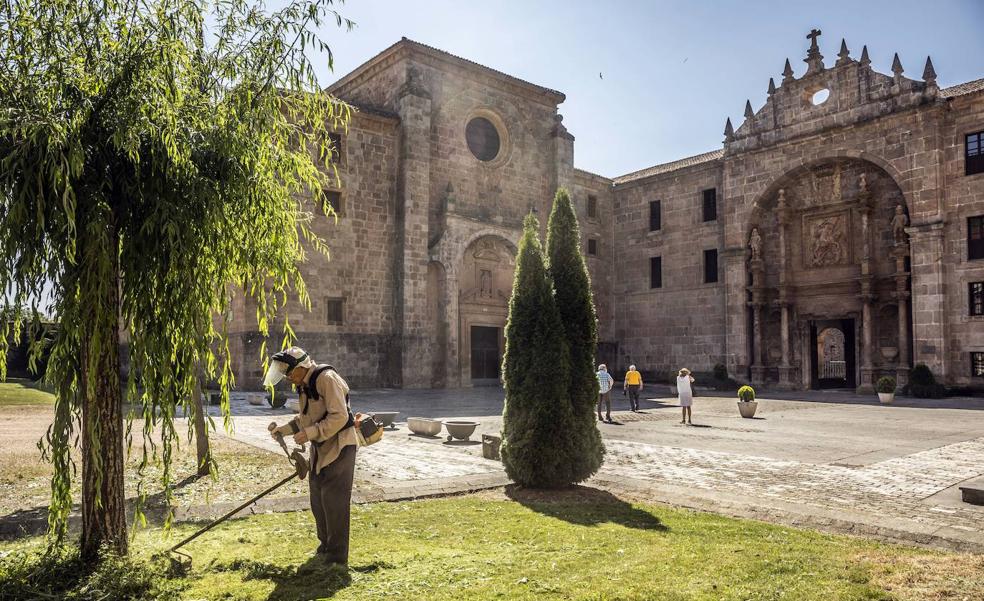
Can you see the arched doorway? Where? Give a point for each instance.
(828, 254)
(485, 285)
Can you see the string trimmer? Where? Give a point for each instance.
(181, 562)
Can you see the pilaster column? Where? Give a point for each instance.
(867, 293)
(758, 303)
(413, 191)
(928, 301)
(787, 372)
(901, 251)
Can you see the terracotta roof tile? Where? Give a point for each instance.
(698, 159)
(963, 88)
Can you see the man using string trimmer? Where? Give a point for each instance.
(326, 421)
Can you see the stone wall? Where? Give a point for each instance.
(964, 197)
(599, 229)
(681, 324)
(360, 270)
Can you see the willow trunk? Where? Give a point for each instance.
(103, 499)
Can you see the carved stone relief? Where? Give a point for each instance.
(828, 240)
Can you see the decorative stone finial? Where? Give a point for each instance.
(863, 182)
(781, 202)
(865, 61)
(813, 60)
(749, 113)
(844, 56)
(787, 73)
(729, 131)
(897, 65)
(772, 86)
(929, 73)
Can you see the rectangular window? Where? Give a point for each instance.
(974, 159)
(975, 237)
(710, 204)
(592, 207)
(976, 298)
(334, 312)
(655, 272)
(655, 215)
(592, 246)
(977, 365)
(710, 266)
(333, 199)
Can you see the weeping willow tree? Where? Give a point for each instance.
(153, 158)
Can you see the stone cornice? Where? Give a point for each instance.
(423, 54)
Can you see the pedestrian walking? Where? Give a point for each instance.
(685, 394)
(632, 386)
(605, 384)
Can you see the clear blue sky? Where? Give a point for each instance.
(672, 70)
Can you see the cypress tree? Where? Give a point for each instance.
(572, 292)
(537, 419)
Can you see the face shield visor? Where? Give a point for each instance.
(282, 364)
(274, 374)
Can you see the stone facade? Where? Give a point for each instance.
(824, 244)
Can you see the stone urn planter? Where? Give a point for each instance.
(886, 389)
(422, 426)
(747, 405)
(460, 429)
(256, 399)
(385, 418)
(293, 404)
(747, 408)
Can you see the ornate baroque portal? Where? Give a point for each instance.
(486, 277)
(828, 278)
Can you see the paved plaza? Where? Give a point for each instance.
(829, 460)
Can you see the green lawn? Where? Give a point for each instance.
(585, 545)
(23, 392)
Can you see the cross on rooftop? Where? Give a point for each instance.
(813, 35)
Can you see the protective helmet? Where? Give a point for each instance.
(284, 362)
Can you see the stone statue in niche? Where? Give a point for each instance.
(828, 247)
(485, 289)
(899, 223)
(755, 243)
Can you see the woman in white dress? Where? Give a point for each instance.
(686, 394)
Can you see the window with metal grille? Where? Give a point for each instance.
(655, 272)
(592, 246)
(333, 199)
(710, 266)
(592, 207)
(977, 365)
(655, 215)
(976, 298)
(710, 204)
(975, 237)
(334, 311)
(974, 159)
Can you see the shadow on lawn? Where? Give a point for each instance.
(585, 506)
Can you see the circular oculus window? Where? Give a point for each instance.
(483, 139)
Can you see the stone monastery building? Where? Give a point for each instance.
(837, 236)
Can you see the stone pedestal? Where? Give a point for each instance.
(788, 378)
(758, 375)
(867, 383)
(901, 376)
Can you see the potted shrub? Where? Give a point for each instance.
(923, 384)
(746, 401)
(886, 389)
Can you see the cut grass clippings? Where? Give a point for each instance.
(580, 544)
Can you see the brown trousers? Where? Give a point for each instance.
(331, 504)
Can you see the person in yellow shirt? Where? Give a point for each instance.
(631, 386)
